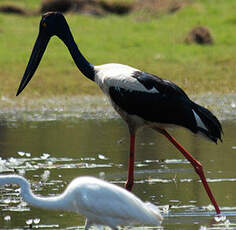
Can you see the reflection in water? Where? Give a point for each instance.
(51, 152)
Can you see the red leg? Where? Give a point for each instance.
(130, 181)
(196, 164)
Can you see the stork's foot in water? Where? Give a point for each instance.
(219, 219)
(129, 185)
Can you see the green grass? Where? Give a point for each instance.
(27, 4)
(153, 44)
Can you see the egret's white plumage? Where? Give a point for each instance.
(100, 202)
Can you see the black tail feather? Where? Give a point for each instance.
(214, 129)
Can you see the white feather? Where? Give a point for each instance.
(103, 201)
(199, 121)
(153, 208)
(118, 75)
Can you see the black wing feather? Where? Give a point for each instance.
(170, 105)
(154, 107)
(150, 81)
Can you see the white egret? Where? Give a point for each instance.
(102, 203)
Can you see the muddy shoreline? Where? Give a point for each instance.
(94, 107)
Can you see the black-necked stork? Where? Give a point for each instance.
(141, 99)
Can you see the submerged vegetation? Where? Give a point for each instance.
(151, 40)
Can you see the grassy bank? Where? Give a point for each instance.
(153, 44)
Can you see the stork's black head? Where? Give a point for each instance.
(52, 23)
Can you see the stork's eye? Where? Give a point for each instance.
(44, 24)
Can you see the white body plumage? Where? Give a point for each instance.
(118, 75)
(100, 202)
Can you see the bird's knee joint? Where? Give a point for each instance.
(198, 168)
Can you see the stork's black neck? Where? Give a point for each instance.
(84, 66)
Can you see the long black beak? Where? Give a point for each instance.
(36, 55)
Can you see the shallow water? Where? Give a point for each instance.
(52, 142)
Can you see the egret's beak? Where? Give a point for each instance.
(36, 55)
